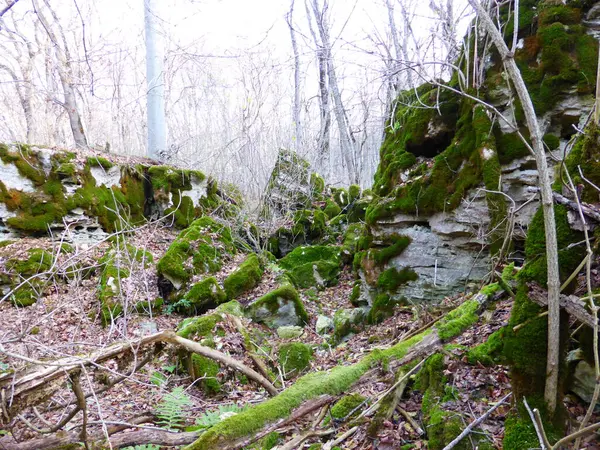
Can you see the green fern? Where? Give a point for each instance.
(144, 447)
(171, 409)
(211, 418)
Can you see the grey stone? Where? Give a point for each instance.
(108, 178)
(289, 331)
(324, 324)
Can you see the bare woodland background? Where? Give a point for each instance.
(242, 79)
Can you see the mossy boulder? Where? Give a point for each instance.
(350, 242)
(294, 358)
(290, 332)
(317, 265)
(245, 278)
(201, 329)
(289, 187)
(202, 296)
(331, 209)
(346, 321)
(278, 308)
(198, 249)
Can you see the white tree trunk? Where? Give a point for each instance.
(64, 72)
(346, 140)
(155, 97)
(296, 112)
(551, 388)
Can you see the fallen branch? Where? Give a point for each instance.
(588, 210)
(141, 437)
(476, 423)
(34, 385)
(569, 303)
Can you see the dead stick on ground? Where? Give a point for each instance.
(298, 440)
(475, 423)
(172, 338)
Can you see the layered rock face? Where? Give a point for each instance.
(85, 197)
(452, 173)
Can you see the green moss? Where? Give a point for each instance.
(346, 321)
(268, 308)
(355, 295)
(569, 256)
(197, 249)
(331, 209)
(350, 241)
(341, 197)
(383, 255)
(294, 358)
(309, 225)
(204, 295)
(38, 261)
(316, 265)
(24, 296)
(391, 279)
(98, 161)
(205, 369)
(245, 278)
(346, 405)
(488, 352)
(332, 382)
(354, 193)
(317, 184)
(383, 307)
(552, 141)
(458, 320)
(198, 327)
(232, 307)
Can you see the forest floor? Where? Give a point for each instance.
(64, 322)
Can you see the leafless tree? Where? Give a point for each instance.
(65, 71)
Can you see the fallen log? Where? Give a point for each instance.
(117, 438)
(233, 432)
(38, 382)
(570, 303)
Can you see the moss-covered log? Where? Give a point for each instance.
(233, 431)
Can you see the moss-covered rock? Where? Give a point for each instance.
(294, 358)
(245, 278)
(279, 308)
(198, 249)
(317, 265)
(202, 296)
(201, 368)
(346, 321)
(289, 187)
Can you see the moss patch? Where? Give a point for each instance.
(294, 358)
(278, 308)
(316, 265)
(245, 278)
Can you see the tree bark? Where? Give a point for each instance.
(296, 108)
(551, 388)
(65, 75)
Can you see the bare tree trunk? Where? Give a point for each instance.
(65, 75)
(551, 388)
(155, 97)
(346, 139)
(325, 113)
(296, 112)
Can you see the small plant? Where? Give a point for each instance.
(170, 410)
(179, 305)
(211, 418)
